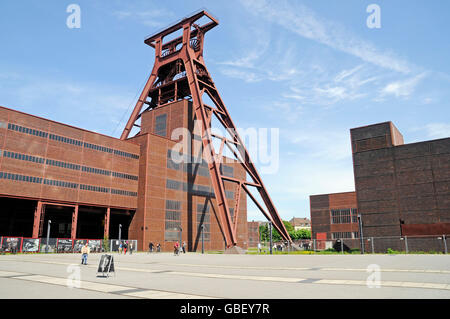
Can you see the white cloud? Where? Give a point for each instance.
(150, 18)
(403, 88)
(438, 130)
(305, 23)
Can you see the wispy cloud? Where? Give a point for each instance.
(403, 88)
(438, 130)
(150, 18)
(304, 22)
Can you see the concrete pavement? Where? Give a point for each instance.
(195, 276)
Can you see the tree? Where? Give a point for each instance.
(264, 231)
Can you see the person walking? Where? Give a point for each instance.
(150, 247)
(259, 248)
(131, 248)
(125, 246)
(176, 248)
(158, 248)
(120, 247)
(84, 254)
(184, 247)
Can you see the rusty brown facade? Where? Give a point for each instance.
(88, 183)
(334, 216)
(401, 189)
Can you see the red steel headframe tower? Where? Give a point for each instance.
(179, 73)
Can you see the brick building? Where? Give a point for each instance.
(88, 183)
(334, 216)
(300, 223)
(401, 190)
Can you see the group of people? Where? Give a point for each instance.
(278, 247)
(151, 247)
(124, 246)
(177, 249)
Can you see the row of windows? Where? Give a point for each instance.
(27, 130)
(122, 192)
(62, 164)
(94, 188)
(201, 169)
(125, 176)
(344, 216)
(20, 178)
(199, 190)
(50, 182)
(77, 167)
(23, 157)
(188, 168)
(66, 140)
(98, 148)
(344, 235)
(96, 171)
(125, 154)
(70, 141)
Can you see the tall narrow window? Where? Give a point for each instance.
(161, 125)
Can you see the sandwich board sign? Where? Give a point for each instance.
(106, 265)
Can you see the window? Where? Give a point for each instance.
(204, 219)
(173, 205)
(172, 220)
(161, 125)
(227, 170)
(341, 235)
(341, 216)
(171, 184)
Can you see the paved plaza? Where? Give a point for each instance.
(195, 276)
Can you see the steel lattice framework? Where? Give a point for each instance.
(179, 72)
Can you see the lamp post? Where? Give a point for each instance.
(181, 231)
(48, 235)
(361, 237)
(203, 239)
(120, 232)
(270, 237)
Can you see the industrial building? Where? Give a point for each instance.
(401, 190)
(142, 186)
(88, 184)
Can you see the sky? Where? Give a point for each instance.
(310, 69)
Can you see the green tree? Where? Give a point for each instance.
(264, 231)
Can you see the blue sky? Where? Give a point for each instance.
(313, 69)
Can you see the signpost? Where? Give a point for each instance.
(106, 265)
